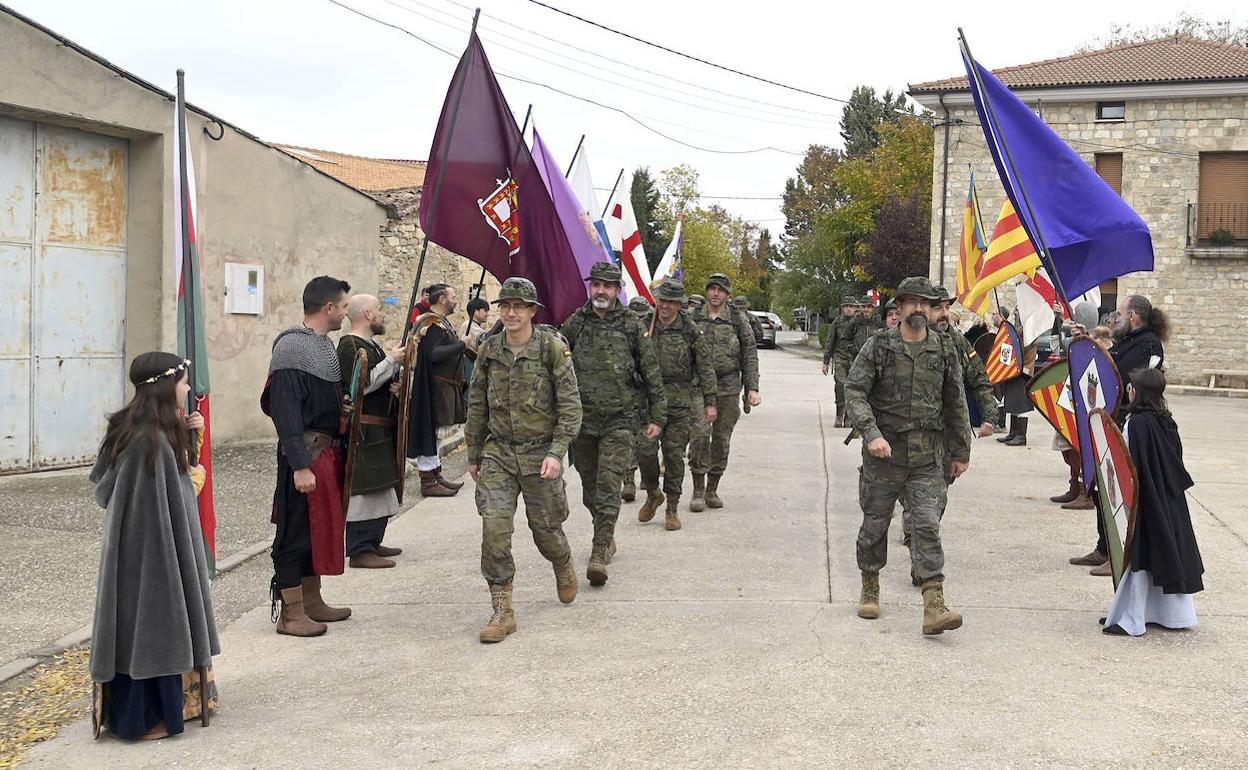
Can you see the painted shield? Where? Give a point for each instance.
(407, 378)
(1117, 487)
(1050, 391)
(1005, 360)
(352, 408)
(1095, 384)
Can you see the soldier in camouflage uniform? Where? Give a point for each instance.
(614, 361)
(524, 409)
(642, 308)
(690, 384)
(839, 337)
(858, 330)
(735, 356)
(906, 399)
(695, 301)
(743, 305)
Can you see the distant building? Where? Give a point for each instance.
(1165, 123)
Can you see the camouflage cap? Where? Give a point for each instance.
(697, 299)
(866, 301)
(741, 301)
(518, 288)
(605, 271)
(942, 295)
(851, 302)
(918, 286)
(671, 290)
(720, 280)
(639, 305)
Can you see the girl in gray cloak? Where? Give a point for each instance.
(154, 633)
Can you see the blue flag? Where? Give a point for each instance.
(1084, 231)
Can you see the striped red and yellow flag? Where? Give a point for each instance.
(971, 253)
(1010, 253)
(1005, 362)
(1049, 390)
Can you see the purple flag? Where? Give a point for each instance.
(488, 201)
(576, 224)
(1095, 384)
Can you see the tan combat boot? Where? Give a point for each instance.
(566, 584)
(672, 522)
(654, 498)
(869, 600)
(697, 503)
(629, 492)
(503, 621)
(315, 606)
(937, 618)
(293, 621)
(712, 492)
(596, 573)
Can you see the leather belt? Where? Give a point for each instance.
(367, 419)
(316, 441)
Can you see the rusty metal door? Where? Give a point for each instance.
(68, 369)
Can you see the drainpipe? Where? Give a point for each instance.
(944, 186)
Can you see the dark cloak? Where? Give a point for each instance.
(437, 392)
(376, 468)
(153, 604)
(1164, 543)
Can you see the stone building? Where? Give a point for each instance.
(1165, 123)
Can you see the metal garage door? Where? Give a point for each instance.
(63, 263)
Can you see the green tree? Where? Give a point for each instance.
(900, 241)
(704, 250)
(865, 114)
(812, 191)
(645, 197)
(678, 192)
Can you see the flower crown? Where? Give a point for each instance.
(182, 367)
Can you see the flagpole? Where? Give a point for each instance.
(1005, 149)
(568, 173)
(614, 187)
(481, 281)
(188, 265)
(437, 185)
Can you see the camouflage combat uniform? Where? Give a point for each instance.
(614, 360)
(644, 312)
(839, 338)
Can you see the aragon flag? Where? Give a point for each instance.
(971, 253)
(1010, 253)
(487, 201)
(189, 293)
(1005, 361)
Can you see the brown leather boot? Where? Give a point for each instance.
(1071, 458)
(431, 487)
(629, 492)
(444, 481)
(654, 498)
(1082, 502)
(672, 522)
(596, 573)
(386, 551)
(315, 606)
(503, 621)
(937, 618)
(293, 621)
(610, 550)
(369, 560)
(566, 584)
(1067, 496)
(697, 503)
(869, 599)
(712, 492)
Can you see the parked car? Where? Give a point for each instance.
(766, 336)
(775, 319)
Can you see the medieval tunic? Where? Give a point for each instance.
(154, 623)
(303, 397)
(437, 398)
(376, 473)
(1165, 568)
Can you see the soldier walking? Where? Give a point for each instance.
(614, 361)
(524, 409)
(735, 357)
(835, 353)
(906, 399)
(642, 309)
(689, 381)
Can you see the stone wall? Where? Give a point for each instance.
(399, 256)
(1205, 291)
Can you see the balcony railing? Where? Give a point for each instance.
(1217, 224)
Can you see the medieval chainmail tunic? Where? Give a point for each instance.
(301, 348)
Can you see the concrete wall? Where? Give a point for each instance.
(257, 205)
(1205, 292)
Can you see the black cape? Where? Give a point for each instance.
(1164, 543)
(436, 402)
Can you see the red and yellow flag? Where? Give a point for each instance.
(971, 253)
(1050, 392)
(1005, 362)
(1010, 253)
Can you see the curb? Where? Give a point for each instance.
(19, 666)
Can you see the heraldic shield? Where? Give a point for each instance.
(407, 379)
(352, 410)
(1116, 488)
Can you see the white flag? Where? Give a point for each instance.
(625, 238)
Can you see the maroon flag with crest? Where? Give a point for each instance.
(484, 197)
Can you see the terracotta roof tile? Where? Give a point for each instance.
(370, 175)
(1177, 58)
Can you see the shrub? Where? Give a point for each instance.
(1221, 237)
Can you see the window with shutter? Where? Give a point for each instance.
(1222, 205)
(1109, 168)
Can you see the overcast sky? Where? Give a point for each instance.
(310, 73)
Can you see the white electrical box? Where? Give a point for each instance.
(244, 289)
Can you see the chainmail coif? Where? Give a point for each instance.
(301, 348)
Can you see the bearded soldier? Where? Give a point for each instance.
(689, 381)
(614, 361)
(523, 411)
(906, 399)
(735, 356)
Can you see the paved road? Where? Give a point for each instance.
(734, 642)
